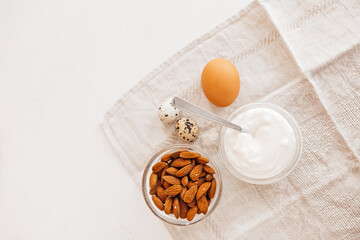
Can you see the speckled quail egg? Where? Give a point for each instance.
(167, 113)
(186, 129)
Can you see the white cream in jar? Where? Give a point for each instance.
(265, 152)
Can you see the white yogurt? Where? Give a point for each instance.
(267, 150)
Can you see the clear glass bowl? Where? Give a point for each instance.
(292, 163)
(171, 218)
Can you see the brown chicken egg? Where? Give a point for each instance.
(220, 82)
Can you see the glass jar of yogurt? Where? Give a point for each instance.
(271, 148)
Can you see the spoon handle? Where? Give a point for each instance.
(191, 108)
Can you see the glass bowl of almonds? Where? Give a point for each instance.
(181, 184)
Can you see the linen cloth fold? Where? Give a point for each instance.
(301, 55)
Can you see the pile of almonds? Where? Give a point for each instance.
(182, 184)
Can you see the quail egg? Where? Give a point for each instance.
(167, 113)
(186, 129)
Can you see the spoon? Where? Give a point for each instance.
(198, 111)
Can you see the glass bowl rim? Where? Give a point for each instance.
(292, 164)
(175, 147)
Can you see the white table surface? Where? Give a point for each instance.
(62, 66)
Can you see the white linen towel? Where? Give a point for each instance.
(302, 55)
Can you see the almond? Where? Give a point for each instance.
(203, 189)
(166, 185)
(153, 180)
(200, 181)
(191, 184)
(192, 203)
(183, 209)
(208, 177)
(202, 160)
(189, 155)
(203, 174)
(166, 157)
(185, 181)
(196, 172)
(158, 166)
(209, 169)
(179, 163)
(197, 182)
(209, 201)
(172, 171)
(205, 211)
(191, 213)
(160, 192)
(182, 193)
(163, 173)
(176, 207)
(176, 155)
(173, 190)
(202, 204)
(212, 189)
(172, 180)
(190, 194)
(153, 190)
(158, 203)
(168, 205)
(185, 170)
